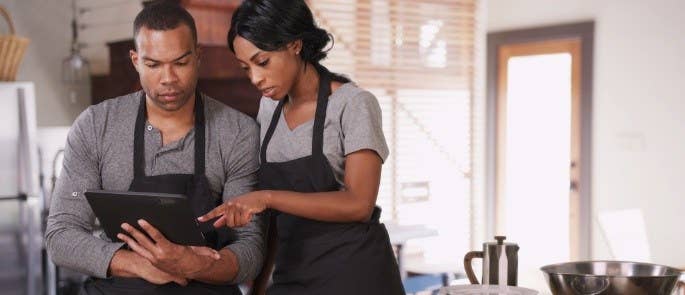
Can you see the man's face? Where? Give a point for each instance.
(168, 65)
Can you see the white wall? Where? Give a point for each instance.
(47, 24)
(639, 80)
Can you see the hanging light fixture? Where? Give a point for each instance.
(75, 68)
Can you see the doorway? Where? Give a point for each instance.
(539, 101)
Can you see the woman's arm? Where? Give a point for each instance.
(354, 204)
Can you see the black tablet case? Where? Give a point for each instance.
(171, 214)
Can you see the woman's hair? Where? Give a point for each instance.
(272, 24)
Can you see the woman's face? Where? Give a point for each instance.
(272, 72)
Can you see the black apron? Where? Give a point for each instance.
(195, 187)
(315, 257)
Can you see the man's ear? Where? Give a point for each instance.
(134, 59)
(295, 47)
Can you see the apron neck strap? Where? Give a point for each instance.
(321, 107)
(199, 134)
(139, 137)
(270, 131)
(319, 117)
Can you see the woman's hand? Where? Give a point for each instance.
(238, 211)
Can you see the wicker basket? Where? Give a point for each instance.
(12, 48)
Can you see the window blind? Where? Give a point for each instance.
(417, 57)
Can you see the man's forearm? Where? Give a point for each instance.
(220, 271)
(75, 248)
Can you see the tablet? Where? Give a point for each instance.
(171, 214)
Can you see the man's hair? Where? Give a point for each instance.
(164, 15)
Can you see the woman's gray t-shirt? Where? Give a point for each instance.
(353, 123)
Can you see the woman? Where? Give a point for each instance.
(321, 155)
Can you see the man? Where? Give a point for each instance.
(157, 140)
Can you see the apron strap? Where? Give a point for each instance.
(270, 132)
(199, 134)
(320, 115)
(139, 137)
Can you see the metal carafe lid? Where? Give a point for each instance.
(499, 242)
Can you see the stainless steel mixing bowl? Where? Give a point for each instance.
(610, 277)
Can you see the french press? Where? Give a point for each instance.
(500, 263)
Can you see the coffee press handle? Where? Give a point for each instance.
(469, 268)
